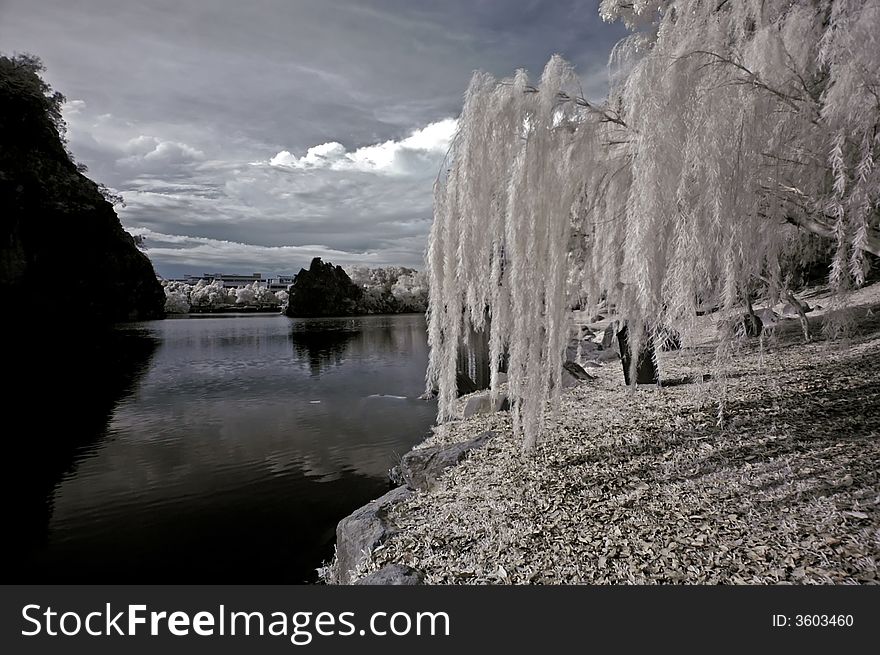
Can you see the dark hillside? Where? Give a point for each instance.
(62, 248)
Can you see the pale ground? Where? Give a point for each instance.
(644, 486)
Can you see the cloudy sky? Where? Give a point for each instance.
(253, 135)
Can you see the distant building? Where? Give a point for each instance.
(228, 280)
(235, 280)
(280, 283)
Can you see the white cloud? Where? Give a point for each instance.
(411, 155)
(148, 152)
(322, 156)
(73, 108)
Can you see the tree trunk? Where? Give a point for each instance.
(756, 326)
(646, 367)
(802, 314)
(871, 244)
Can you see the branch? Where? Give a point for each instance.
(807, 220)
(606, 115)
(872, 244)
(753, 78)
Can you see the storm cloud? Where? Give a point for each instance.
(254, 136)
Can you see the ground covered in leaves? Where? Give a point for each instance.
(646, 486)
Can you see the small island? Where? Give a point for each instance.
(327, 290)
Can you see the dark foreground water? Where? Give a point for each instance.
(209, 449)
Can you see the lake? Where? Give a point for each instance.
(210, 448)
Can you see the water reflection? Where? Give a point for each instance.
(227, 453)
(322, 343)
(67, 386)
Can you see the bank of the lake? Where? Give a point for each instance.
(646, 487)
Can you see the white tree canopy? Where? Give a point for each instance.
(731, 129)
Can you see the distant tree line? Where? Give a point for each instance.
(322, 290)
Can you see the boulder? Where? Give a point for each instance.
(393, 574)
(588, 349)
(482, 403)
(359, 533)
(607, 356)
(421, 468)
(572, 373)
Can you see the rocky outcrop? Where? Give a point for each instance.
(393, 574)
(62, 248)
(359, 533)
(483, 403)
(572, 374)
(422, 468)
(365, 529)
(323, 290)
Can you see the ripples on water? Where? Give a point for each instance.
(215, 449)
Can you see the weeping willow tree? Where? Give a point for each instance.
(733, 134)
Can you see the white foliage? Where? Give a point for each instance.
(263, 297)
(501, 229)
(411, 292)
(245, 295)
(177, 297)
(181, 297)
(390, 289)
(211, 295)
(727, 125)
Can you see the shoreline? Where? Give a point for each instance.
(644, 487)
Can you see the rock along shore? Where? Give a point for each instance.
(364, 531)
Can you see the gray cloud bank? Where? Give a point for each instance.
(254, 136)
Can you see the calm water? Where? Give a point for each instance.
(213, 448)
